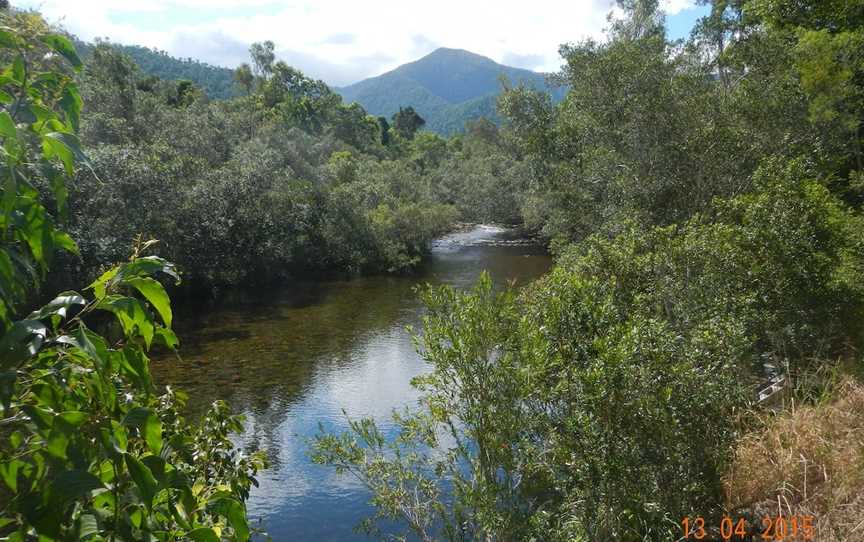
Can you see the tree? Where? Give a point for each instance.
(244, 78)
(91, 450)
(384, 127)
(406, 122)
(263, 56)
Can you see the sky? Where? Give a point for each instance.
(345, 41)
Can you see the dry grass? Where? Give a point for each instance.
(806, 461)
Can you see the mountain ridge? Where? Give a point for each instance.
(447, 87)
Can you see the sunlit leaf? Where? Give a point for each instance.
(153, 291)
(63, 46)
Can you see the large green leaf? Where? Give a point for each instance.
(148, 266)
(7, 125)
(71, 104)
(59, 306)
(153, 291)
(66, 147)
(131, 315)
(72, 484)
(236, 514)
(143, 478)
(63, 46)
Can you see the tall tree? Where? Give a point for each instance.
(244, 78)
(263, 56)
(406, 122)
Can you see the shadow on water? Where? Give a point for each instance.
(291, 358)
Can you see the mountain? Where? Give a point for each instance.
(218, 82)
(446, 87)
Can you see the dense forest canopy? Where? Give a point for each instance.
(703, 199)
(216, 81)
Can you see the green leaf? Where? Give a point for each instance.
(167, 337)
(9, 473)
(34, 226)
(58, 442)
(63, 46)
(153, 291)
(59, 306)
(71, 104)
(87, 526)
(23, 340)
(73, 417)
(64, 241)
(132, 317)
(8, 39)
(236, 515)
(18, 71)
(143, 478)
(148, 266)
(66, 147)
(101, 284)
(202, 534)
(71, 484)
(7, 125)
(61, 194)
(137, 517)
(148, 425)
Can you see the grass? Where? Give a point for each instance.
(807, 460)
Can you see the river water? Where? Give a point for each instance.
(291, 359)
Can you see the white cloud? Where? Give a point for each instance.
(674, 7)
(386, 33)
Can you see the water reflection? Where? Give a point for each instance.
(292, 358)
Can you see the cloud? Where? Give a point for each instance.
(339, 41)
(674, 7)
(421, 45)
(215, 48)
(528, 62)
(341, 38)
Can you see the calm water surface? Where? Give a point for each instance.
(292, 358)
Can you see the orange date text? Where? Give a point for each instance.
(771, 529)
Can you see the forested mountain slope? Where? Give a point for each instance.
(446, 87)
(216, 81)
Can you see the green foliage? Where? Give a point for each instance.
(253, 189)
(90, 451)
(705, 202)
(406, 122)
(216, 82)
(551, 417)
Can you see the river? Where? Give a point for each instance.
(291, 358)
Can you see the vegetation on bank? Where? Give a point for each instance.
(703, 198)
(89, 449)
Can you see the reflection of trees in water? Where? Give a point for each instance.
(260, 350)
(270, 348)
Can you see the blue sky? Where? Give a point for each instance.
(343, 41)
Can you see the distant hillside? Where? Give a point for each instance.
(216, 81)
(447, 88)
